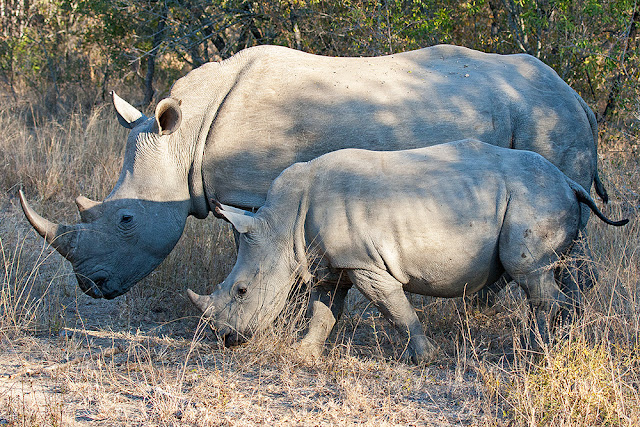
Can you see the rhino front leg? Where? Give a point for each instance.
(387, 294)
(325, 308)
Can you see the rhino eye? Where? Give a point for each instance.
(242, 290)
(126, 221)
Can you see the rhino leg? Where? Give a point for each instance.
(547, 304)
(325, 308)
(387, 294)
(579, 275)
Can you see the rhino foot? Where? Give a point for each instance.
(420, 351)
(310, 352)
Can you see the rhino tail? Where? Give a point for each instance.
(599, 187)
(593, 123)
(584, 197)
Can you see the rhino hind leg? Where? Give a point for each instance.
(580, 269)
(326, 303)
(547, 303)
(577, 276)
(387, 294)
(531, 252)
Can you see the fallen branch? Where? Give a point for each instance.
(110, 352)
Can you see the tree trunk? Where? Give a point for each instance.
(293, 17)
(151, 59)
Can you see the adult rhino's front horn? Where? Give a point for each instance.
(57, 235)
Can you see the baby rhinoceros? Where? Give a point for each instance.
(442, 221)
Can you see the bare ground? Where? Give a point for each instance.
(168, 382)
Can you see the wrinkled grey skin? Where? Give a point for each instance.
(442, 221)
(228, 129)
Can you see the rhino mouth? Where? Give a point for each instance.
(89, 286)
(98, 286)
(233, 339)
(229, 337)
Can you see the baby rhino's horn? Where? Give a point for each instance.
(202, 302)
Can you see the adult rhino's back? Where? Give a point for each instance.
(275, 106)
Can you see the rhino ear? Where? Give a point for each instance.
(168, 116)
(128, 115)
(242, 221)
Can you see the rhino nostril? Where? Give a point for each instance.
(91, 287)
(229, 341)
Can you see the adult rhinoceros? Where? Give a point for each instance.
(228, 129)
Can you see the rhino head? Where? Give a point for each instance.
(122, 239)
(256, 290)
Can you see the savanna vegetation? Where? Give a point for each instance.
(146, 358)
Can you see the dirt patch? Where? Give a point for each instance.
(162, 381)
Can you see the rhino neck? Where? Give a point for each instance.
(199, 192)
(301, 250)
(286, 209)
(202, 99)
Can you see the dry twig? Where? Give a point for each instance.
(49, 370)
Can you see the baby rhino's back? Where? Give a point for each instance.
(431, 217)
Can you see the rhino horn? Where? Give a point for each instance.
(86, 208)
(58, 236)
(202, 302)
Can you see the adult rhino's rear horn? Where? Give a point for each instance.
(58, 236)
(87, 208)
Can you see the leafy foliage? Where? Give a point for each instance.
(95, 45)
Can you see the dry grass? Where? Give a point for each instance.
(169, 370)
